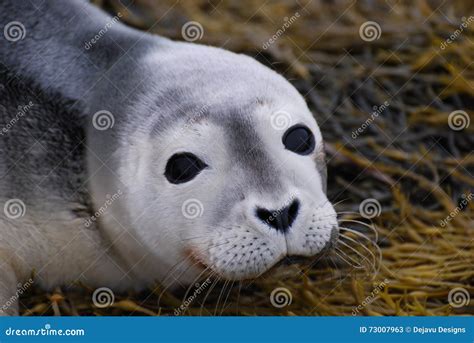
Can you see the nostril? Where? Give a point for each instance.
(264, 215)
(281, 219)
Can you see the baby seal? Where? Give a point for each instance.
(140, 159)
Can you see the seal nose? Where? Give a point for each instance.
(281, 219)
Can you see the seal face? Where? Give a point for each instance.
(227, 175)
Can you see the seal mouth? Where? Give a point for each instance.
(196, 260)
(291, 260)
(303, 260)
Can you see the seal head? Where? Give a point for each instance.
(224, 170)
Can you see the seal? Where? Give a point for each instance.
(137, 159)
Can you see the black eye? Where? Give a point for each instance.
(299, 139)
(183, 167)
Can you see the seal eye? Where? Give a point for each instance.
(299, 139)
(183, 167)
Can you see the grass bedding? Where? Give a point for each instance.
(383, 107)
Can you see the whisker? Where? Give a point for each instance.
(192, 284)
(336, 250)
(348, 212)
(227, 297)
(168, 275)
(238, 296)
(360, 234)
(339, 202)
(226, 282)
(377, 259)
(363, 224)
(357, 233)
(371, 263)
(216, 281)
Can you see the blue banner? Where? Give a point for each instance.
(237, 329)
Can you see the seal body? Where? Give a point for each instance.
(142, 160)
(45, 200)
